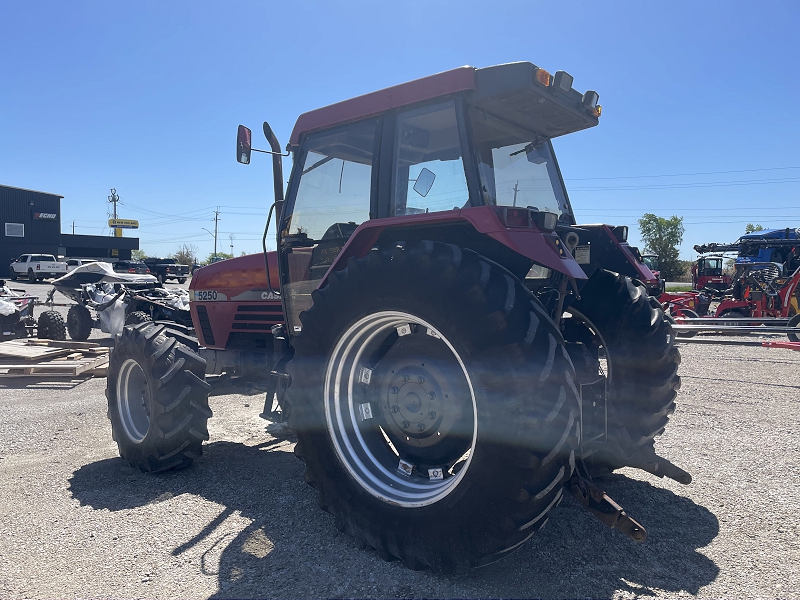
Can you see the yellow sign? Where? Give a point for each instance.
(123, 223)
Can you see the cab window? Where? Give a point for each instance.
(428, 166)
(333, 198)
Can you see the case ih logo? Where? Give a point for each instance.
(42, 215)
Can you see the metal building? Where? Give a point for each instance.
(30, 222)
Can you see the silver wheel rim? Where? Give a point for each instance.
(133, 397)
(357, 412)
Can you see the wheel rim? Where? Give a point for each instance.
(133, 397)
(400, 409)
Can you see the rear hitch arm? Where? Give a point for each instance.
(597, 502)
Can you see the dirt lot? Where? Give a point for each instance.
(76, 521)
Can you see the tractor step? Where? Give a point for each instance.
(597, 502)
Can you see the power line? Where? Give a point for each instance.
(682, 174)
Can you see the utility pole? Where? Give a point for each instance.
(114, 198)
(231, 237)
(216, 224)
(516, 189)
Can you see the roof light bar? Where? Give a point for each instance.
(542, 77)
(563, 81)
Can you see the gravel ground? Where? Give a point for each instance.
(77, 521)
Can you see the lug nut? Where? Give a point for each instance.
(394, 389)
(432, 395)
(431, 415)
(420, 427)
(420, 380)
(394, 408)
(406, 424)
(405, 378)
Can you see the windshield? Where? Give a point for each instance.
(518, 168)
(651, 262)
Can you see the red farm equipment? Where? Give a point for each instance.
(452, 350)
(659, 286)
(759, 301)
(707, 272)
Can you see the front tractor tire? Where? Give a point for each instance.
(434, 406)
(157, 399)
(641, 366)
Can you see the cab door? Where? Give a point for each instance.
(333, 189)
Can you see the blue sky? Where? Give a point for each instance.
(701, 102)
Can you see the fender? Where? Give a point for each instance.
(544, 248)
(599, 248)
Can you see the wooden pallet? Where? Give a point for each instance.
(49, 358)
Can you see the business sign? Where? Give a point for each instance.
(123, 223)
(44, 215)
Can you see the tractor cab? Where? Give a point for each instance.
(464, 156)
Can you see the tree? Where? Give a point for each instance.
(138, 254)
(750, 228)
(219, 255)
(663, 236)
(186, 254)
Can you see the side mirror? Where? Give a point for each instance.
(243, 145)
(424, 182)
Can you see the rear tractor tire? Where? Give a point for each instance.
(79, 322)
(434, 406)
(157, 399)
(640, 367)
(50, 326)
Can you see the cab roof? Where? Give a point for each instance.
(519, 92)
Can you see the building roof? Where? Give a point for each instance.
(11, 187)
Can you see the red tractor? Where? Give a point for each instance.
(450, 347)
(707, 273)
(659, 285)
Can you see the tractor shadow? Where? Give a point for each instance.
(292, 549)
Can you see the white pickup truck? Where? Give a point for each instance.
(37, 267)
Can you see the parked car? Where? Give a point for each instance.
(131, 266)
(167, 268)
(74, 263)
(37, 267)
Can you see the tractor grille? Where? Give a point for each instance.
(252, 326)
(205, 325)
(257, 317)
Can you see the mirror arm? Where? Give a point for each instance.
(270, 152)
